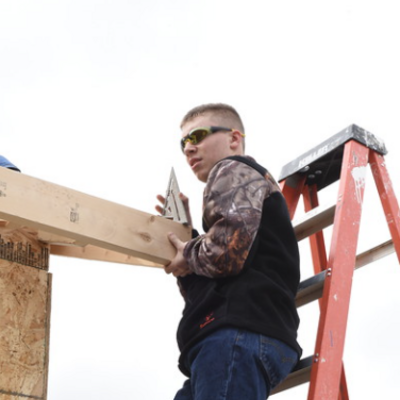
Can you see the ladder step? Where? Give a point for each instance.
(322, 164)
(310, 289)
(375, 253)
(314, 221)
(299, 375)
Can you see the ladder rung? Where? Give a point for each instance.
(314, 221)
(375, 253)
(299, 375)
(322, 217)
(310, 289)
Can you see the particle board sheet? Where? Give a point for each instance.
(25, 289)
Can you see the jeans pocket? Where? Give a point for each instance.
(277, 358)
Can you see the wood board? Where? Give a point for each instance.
(66, 215)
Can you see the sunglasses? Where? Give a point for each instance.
(198, 134)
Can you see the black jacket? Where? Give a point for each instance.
(246, 265)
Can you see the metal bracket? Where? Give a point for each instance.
(173, 206)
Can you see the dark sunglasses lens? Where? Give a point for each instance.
(195, 137)
(198, 135)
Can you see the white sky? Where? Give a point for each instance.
(91, 96)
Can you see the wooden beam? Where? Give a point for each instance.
(86, 220)
(90, 252)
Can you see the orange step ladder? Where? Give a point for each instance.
(344, 158)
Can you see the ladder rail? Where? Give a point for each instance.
(332, 280)
(326, 369)
(387, 196)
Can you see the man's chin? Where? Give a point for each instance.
(201, 176)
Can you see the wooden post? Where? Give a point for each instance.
(25, 287)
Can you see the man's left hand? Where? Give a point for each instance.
(178, 265)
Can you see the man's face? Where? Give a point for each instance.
(202, 156)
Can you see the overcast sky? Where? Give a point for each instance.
(91, 97)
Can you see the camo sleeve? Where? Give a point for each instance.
(232, 208)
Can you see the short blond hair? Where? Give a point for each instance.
(218, 109)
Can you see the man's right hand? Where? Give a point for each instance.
(185, 202)
(159, 208)
(178, 265)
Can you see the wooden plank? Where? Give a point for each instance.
(24, 323)
(86, 219)
(98, 254)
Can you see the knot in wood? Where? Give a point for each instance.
(145, 236)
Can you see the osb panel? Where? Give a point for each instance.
(24, 327)
(23, 246)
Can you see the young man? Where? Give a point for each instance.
(239, 279)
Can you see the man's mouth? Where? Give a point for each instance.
(193, 162)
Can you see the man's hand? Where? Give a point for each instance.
(185, 202)
(158, 207)
(178, 266)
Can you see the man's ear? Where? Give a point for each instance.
(236, 140)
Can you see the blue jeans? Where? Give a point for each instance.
(232, 364)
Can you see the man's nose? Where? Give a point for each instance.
(189, 148)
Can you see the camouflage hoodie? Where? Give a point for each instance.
(246, 264)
